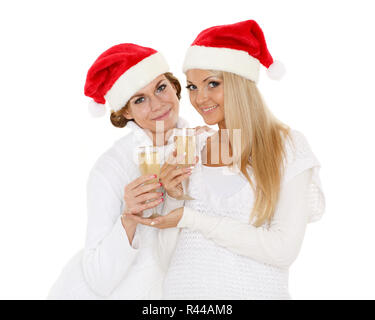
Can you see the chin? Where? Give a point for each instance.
(211, 122)
(170, 123)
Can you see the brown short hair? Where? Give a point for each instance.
(117, 117)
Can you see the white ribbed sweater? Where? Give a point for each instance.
(218, 254)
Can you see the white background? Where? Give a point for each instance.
(49, 142)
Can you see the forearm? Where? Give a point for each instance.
(106, 264)
(129, 227)
(171, 204)
(108, 251)
(277, 245)
(268, 246)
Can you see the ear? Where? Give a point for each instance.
(127, 114)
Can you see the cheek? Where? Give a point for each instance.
(220, 101)
(192, 98)
(140, 114)
(170, 98)
(219, 96)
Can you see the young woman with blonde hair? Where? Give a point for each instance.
(242, 232)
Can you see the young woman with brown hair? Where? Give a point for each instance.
(118, 261)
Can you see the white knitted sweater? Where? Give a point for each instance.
(219, 255)
(109, 267)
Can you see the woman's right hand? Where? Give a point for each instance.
(171, 175)
(138, 192)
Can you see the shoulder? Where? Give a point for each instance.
(298, 155)
(116, 162)
(296, 145)
(299, 158)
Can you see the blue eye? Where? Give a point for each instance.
(191, 87)
(161, 88)
(214, 84)
(139, 100)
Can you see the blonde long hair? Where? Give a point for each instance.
(262, 142)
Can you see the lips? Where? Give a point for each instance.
(209, 109)
(163, 116)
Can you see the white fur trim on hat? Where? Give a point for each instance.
(223, 59)
(134, 79)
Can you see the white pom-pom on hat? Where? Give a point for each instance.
(276, 70)
(96, 109)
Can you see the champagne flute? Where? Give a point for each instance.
(149, 163)
(185, 144)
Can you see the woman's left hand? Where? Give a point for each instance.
(170, 220)
(201, 129)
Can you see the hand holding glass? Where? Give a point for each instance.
(149, 163)
(185, 144)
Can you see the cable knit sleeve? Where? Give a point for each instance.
(108, 254)
(278, 244)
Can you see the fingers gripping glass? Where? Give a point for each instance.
(185, 145)
(149, 163)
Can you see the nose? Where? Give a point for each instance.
(156, 103)
(201, 96)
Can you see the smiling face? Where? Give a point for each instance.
(206, 93)
(155, 102)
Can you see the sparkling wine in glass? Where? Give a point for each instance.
(185, 144)
(149, 163)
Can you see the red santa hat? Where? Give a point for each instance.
(118, 73)
(239, 48)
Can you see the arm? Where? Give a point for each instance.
(108, 253)
(278, 245)
(130, 228)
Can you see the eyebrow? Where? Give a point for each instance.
(136, 95)
(208, 78)
(204, 79)
(142, 94)
(159, 83)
